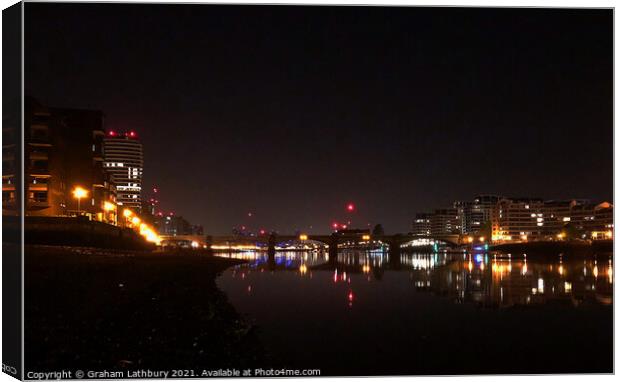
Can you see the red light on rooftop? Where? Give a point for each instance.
(350, 207)
(112, 133)
(335, 225)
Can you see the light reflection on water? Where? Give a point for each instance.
(406, 314)
(490, 279)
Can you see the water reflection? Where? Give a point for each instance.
(486, 279)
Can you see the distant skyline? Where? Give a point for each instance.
(292, 112)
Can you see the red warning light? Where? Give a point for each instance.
(350, 207)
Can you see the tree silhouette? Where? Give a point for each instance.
(378, 230)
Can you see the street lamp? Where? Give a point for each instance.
(79, 193)
(107, 206)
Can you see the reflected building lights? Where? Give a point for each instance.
(467, 280)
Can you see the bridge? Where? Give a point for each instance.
(394, 242)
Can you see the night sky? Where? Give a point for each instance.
(292, 112)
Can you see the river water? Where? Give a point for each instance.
(438, 313)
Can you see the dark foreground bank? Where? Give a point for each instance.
(94, 310)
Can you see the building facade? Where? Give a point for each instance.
(172, 225)
(535, 219)
(62, 153)
(421, 225)
(445, 221)
(124, 162)
(520, 219)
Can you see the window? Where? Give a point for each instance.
(39, 196)
(39, 164)
(7, 196)
(39, 132)
(40, 180)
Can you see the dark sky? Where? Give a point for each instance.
(291, 112)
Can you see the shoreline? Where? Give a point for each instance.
(122, 310)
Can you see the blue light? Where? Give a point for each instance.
(478, 258)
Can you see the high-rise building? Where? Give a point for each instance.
(421, 225)
(123, 160)
(475, 215)
(445, 221)
(52, 171)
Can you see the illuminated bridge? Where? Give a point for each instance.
(394, 242)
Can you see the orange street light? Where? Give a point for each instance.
(79, 193)
(303, 237)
